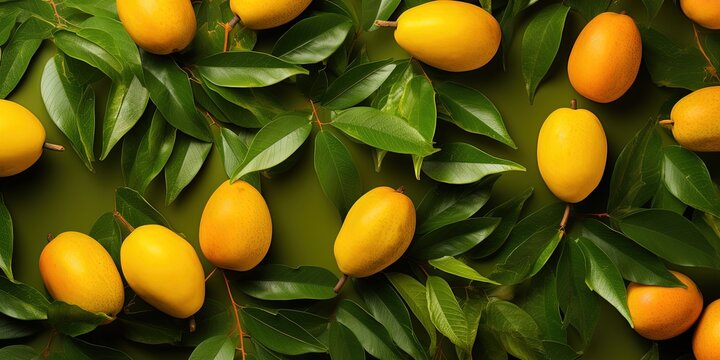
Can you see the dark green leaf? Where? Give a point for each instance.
(19, 352)
(414, 294)
(312, 39)
(389, 95)
(446, 313)
(72, 320)
(67, 348)
(22, 302)
(89, 53)
(127, 101)
(343, 344)
(136, 210)
(460, 163)
(215, 318)
(6, 240)
(653, 7)
(110, 35)
(7, 24)
(152, 327)
(280, 282)
(580, 306)
(687, 178)
(377, 10)
(453, 239)
(221, 347)
(472, 308)
(710, 42)
(542, 304)
(663, 199)
(515, 329)
(316, 325)
(371, 334)
(258, 102)
(246, 69)
(488, 346)
(13, 328)
(107, 232)
(186, 160)
(356, 84)
(16, 57)
(588, 9)
(233, 150)
(336, 172)
(152, 154)
(652, 354)
(279, 333)
(456, 267)
(509, 212)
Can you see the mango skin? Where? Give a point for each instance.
(76, 269)
(235, 227)
(21, 138)
(259, 14)
(376, 232)
(159, 26)
(605, 58)
(571, 153)
(449, 35)
(703, 12)
(164, 270)
(695, 118)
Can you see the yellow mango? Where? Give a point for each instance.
(77, 270)
(376, 232)
(259, 14)
(571, 153)
(703, 12)
(158, 26)
(605, 58)
(449, 35)
(21, 138)
(695, 120)
(235, 227)
(164, 270)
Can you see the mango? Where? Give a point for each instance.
(571, 153)
(449, 35)
(164, 270)
(376, 232)
(159, 26)
(259, 14)
(21, 138)
(77, 270)
(695, 120)
(235, 227)
(605, 58)
(703, 12)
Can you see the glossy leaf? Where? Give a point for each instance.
(258, 102)
(371, 334)
(246, 69)
(653, 7)
(215, 318)
(473, 112)
(88, 52)
(22, 302)
(221, 347)
(389, 95)
(336, 172)
(356, 84)
(414, 295)
(456, 267)
(152, 154)
(343, 345)
(312, 39)
(14, 329)
(107, 232)
(446, 313)
(16, 56)
(509, 213)
(588, 9)
(473, 308)
(453, 239)
(151, 327)
(68, 348)
(516, 330)
(447, 204)
(278, 333)
(126, 103)
(663, 199)
(93, 7)
(377, 10)
(687, 178)
(136, 210)
(6, 240)
(542, 304)
(460, 163)
(233, 150)
(280, 282)
(581, 308)
(72, 320)
(7, 24)
(186, 160)
(19, 352)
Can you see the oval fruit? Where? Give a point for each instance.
(606, 57)
(571, 153)
(376, 232)
(707, 334)
(164, 270)
(449, 35)
(661, 313)
(77, 270)
(703, 12)
(21, 138)
(159, 26)
(695, 120)
(235, 228)
(258, 14)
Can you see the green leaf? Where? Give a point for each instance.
(221, 347)
(71, 107)
(16, 57)
(580, 306)
(371, 334)
(377, 10)
(604, 278)
(448, 204)
(136, 210)
(663, 199)
(7, 25)
(542, 304)
(460, 163)
(516, 330)
(473, 309)
(110, 35)
(233, 150)
(509, 212)
(456, 267)
(636, 175)
(687, 178)
(315, 324)
(19, 352)
(107, 232)
(92, 7)
(274, 143)
(588, 9)
(356, 84)
(653, 8)
(710, 42)
(343, 344)
(22, 302)
(258, 102)
(540, 45)
(246, 69)
(72, 320)
(446, 313)
(387, 307)
(389, 95)
(453, 239)
(216, 317)
(280, 282)
(126, 103)
(652, 354)
(6, 240)
(383, 131)
(210, 35)
(279, 333)
(414, 295)
(88, 52)
(473, 112)
(336, 172)
(186, 160)
(670, 236)
(14, 329)
(152, 154)
(312, 39)
(170, 91)
(151, 327)
(67, 348)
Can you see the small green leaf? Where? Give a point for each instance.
(343, 343)
(653, 8)
(456, 267)
(356, 84)
(588, 9)
(516, 330)
(6, 240)
(221, 347)
(19, 352)
(280, 282)
(136, 210)
(22, 302)
(581, 308)
(414, 294)
(14, 329)
(16, 57)
(371, 334)
(108, 233)
(233, 150)
(446, 313)
(88, 52)
(186, 160)
(72, 320)
(279, 333)
(377, 10)
(336, 172)
(153, 151)
(687, 178)
(312, 39)
(509, 212)
(246, 69)
(460, 163)
(453, 239)
(127, 101)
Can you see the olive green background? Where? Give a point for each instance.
(59, 194)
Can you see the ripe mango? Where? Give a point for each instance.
(376, 232)
(164, 270)
(571, 153)
(259, 14)
(703, 12)
(76, 269)
(21, 138)
(235, 228)
(158, 26)
(449, 35)
(707, 334)
(695, 120)
(605, 58)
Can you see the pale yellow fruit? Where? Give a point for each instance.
(260, 14)
(705, 13)
(164, 270)
(707, 334)
(158, 26)
(571, 153)
(695, 120)
(21, 138)
(605, 58)
(77, 270)
(235, 228)
(376, 232)
(449, 35)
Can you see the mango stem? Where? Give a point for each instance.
(573, 104)
(401, 189)
(50, 237)
(667, 122)
(565, 218)
(192, 324)
(384, 23)
(53, 147)
(118, 216)
(340, 283)
(228, 28)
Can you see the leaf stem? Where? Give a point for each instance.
(340, 283)
(118, 216)
(315, 114)
(210, 274)
(237, 315)
(228, 28)
(384, 23)
(711, 68)
(565, 218)
(53, 147)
